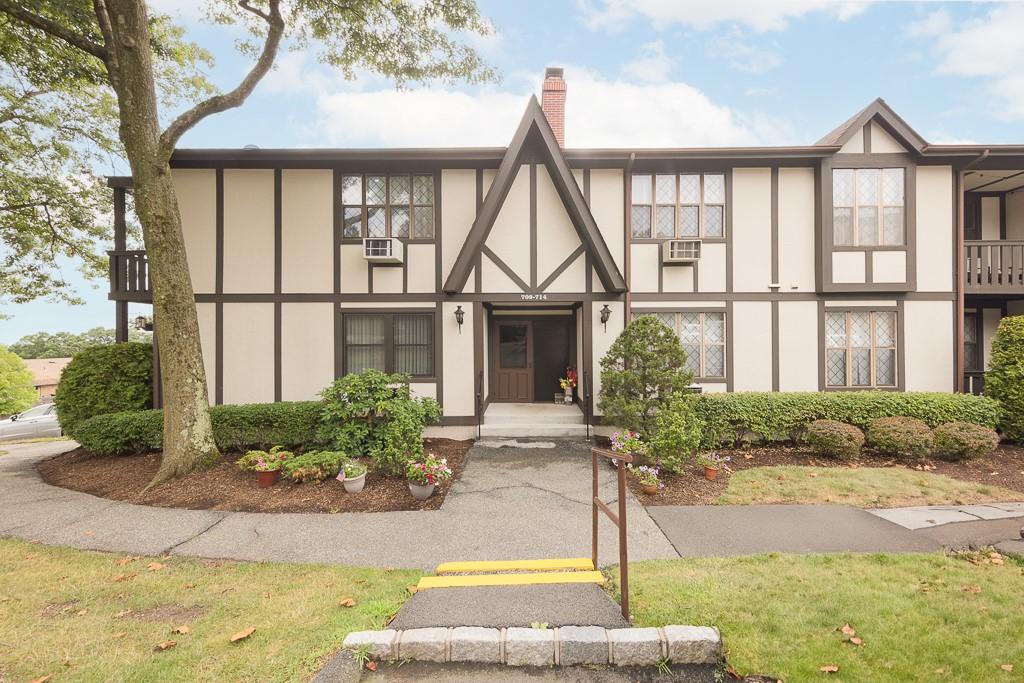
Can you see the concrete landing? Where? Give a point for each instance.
(533, 420)
(927, 516)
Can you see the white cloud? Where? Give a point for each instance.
(759, 15)
(989, 48)
(599, 113)
(934, 24)
(652, 66)
(741, 55)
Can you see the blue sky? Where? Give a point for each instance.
(640, 73)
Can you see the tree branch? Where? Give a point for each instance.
(236, 97)
(13, 10)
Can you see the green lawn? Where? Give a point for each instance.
(860, 487)
(64, 612)
(780, 615)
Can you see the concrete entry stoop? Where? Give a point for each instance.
(533, 420)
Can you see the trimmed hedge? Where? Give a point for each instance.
(259, 425)
(900, 437)
(104, 379)
(1004, 380)
(963, 440)
(834, 439)
(779, 417)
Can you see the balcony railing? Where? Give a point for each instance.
(129, 276)
(994, 266)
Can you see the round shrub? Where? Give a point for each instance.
(104, 379)
(17, 391)
(964, 440)
(1004, 380)
(901, 437)
(834, 439)
(678, 433)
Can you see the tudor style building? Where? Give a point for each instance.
(870, 259)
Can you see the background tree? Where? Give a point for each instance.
(67, 344)
(1004, 380)
(17, 391)
(400, 39)
(641, 374)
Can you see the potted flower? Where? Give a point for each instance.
(424, 476)
(268, 471)
(648, 478)
(712, 462)
(627, 442)
(568, 383)
(353, 476)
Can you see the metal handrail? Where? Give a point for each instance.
(618, 519)
(586, 402)
(479, 402)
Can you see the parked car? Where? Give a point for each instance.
(34, 423)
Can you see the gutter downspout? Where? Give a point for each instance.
(959, 272)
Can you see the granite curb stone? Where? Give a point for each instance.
(475, 644)
(529, 646)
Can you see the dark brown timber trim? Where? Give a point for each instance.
(505, 269)
(730, 347)
(561, 268)
(775, 276)
(219, 288)
(278, 383)
(533, 226)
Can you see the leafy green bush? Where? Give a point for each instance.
(900, 437)
(964, 440)
(779, 417)
(314, 466)
(17, 390)
(677, 433)
(255, 461)
(290, 425)
(374, 413)
(834, 439)
(104, 379)
(643, 369)
(1004, 380)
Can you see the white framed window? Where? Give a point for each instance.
(868, 207)
(702, 335)
(860, 349)
(377, 205)
(671, 205)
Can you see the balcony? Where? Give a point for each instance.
(129, 277)
(994, 266)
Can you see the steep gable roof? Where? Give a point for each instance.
(878, 110)
(534, 127)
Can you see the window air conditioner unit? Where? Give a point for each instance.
(680, 251)
(383, 249)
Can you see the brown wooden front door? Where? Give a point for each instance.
(513, 369)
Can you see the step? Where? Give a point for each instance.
(533, 430)
(574, 563)
(532, 413)
(509, 579)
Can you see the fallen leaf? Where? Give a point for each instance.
(123, 613)
(812, 475)
(43, 679)
(748, 456)
(123, 577)
(997, 560)
(87, 532)
(125, 560)
(1008, 668)
(154, 566)
(190, 585)
(82, 612)
(346, 602)
(371, 666)
(412, 589)
(829, 669)
(242, 635)
(940, 672)
(31, 556)
(782, 477)
(166, 645)
(848, 630)
(183, 629)
(972, 589)
(266, 595)
(121, 634)
(732, 673)
(856, 641)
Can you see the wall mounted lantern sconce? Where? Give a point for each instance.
(460, 316)
(606, 313)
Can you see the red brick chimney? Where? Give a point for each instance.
(553, 102)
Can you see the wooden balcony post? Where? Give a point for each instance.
(120, 244)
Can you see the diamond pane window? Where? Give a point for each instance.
(867, 186)
(666, 221)
(714, 361)
(423, 222)
(641, 218)
(835, 367)
(353, 222)
(665, 189)
(375, 185)
(872, 201)
(399, 189)
(714, 221)
(885, 368)
(867, 225)
(399, 221)
(892, 186)
(689, 189)
(689, 328)
(641, 189)
(376, 224)
(689, 221)
(352, 190)
(842, 187)
(714, 328)
(714, 188)
(423, 189)
(885, 333)
(835, 330)
(842, 226)
(860, 348)
(892, 228)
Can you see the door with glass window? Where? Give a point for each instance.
(513, 367)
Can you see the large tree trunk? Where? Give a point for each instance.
(188, 433)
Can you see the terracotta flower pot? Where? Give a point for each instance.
(710, 473)
(354, 484)
(268, 479)
(421, 491)
(649, 489)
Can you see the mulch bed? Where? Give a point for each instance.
(1003, 467)
(225, 487)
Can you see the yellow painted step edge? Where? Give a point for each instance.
(509, 579)
(576, 563)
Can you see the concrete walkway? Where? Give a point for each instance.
(510, 503)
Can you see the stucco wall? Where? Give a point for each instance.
(307, 228)
(207, 314)
(855, 145)
(751, 229)
(796, 229)
(882, 142)
(572, 279)
(458, 210)
(458, 371)
(556, 235)
(197, 202)
(307, 349)
(711, 272)
(645, 261)
(751, 345)
(798, 346)
(249, 231)
(935, 229)
(928, 333)
(354, 278)
(606, 205)
(420, 263)
(888, 266)
(509, 239)
(603, 339)
(248, 353)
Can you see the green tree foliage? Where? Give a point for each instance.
(678, 432)
(67, 344)
(640, 374)
(17, 391)
(1004, 380)
(104, 379)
